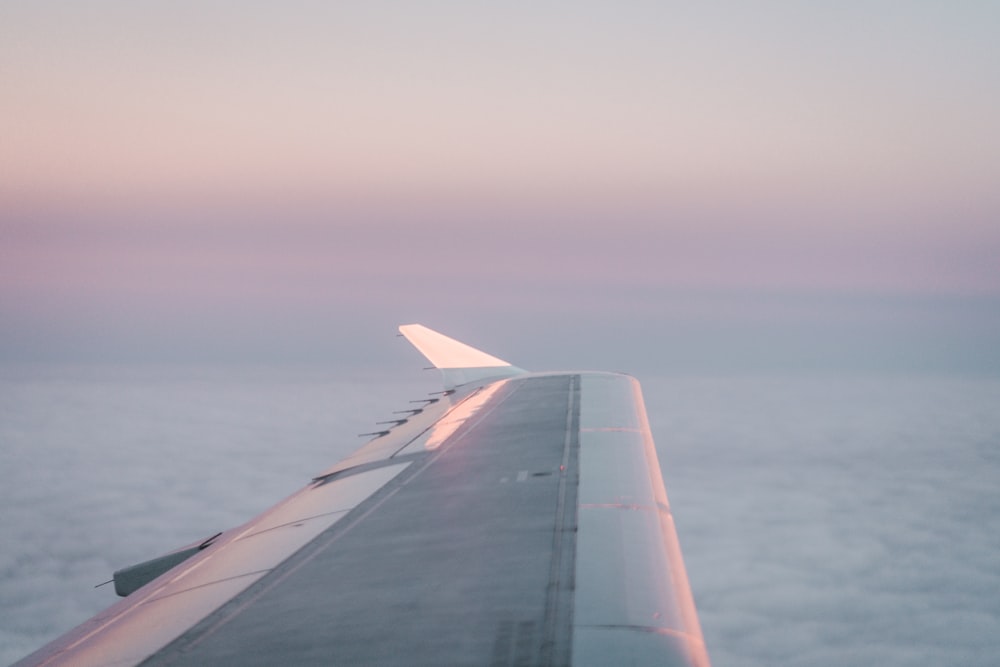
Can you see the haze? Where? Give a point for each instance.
(745, 187)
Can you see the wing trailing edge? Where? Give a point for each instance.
(459, 363)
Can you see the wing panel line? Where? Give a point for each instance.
(558, 626)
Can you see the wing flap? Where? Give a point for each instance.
(632, 590)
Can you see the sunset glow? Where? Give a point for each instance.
(176, 173)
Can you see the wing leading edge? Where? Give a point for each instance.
(519, 518)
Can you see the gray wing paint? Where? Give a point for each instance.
(519, 519)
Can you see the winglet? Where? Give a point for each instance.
(459, 363)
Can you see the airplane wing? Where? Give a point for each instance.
(514, 519)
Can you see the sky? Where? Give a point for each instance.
(716, 187)
(690, 192)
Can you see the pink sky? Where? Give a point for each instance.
(166, 164)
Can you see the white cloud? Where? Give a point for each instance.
(824, 521)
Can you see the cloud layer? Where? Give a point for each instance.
(832, 521)
(824, 520)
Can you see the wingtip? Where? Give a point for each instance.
(445, 352)
(459, 363)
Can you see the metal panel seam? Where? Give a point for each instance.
(557, 631)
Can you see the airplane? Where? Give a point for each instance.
(513, 518)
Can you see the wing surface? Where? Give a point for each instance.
(512, 521)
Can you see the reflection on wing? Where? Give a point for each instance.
(467, 409)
